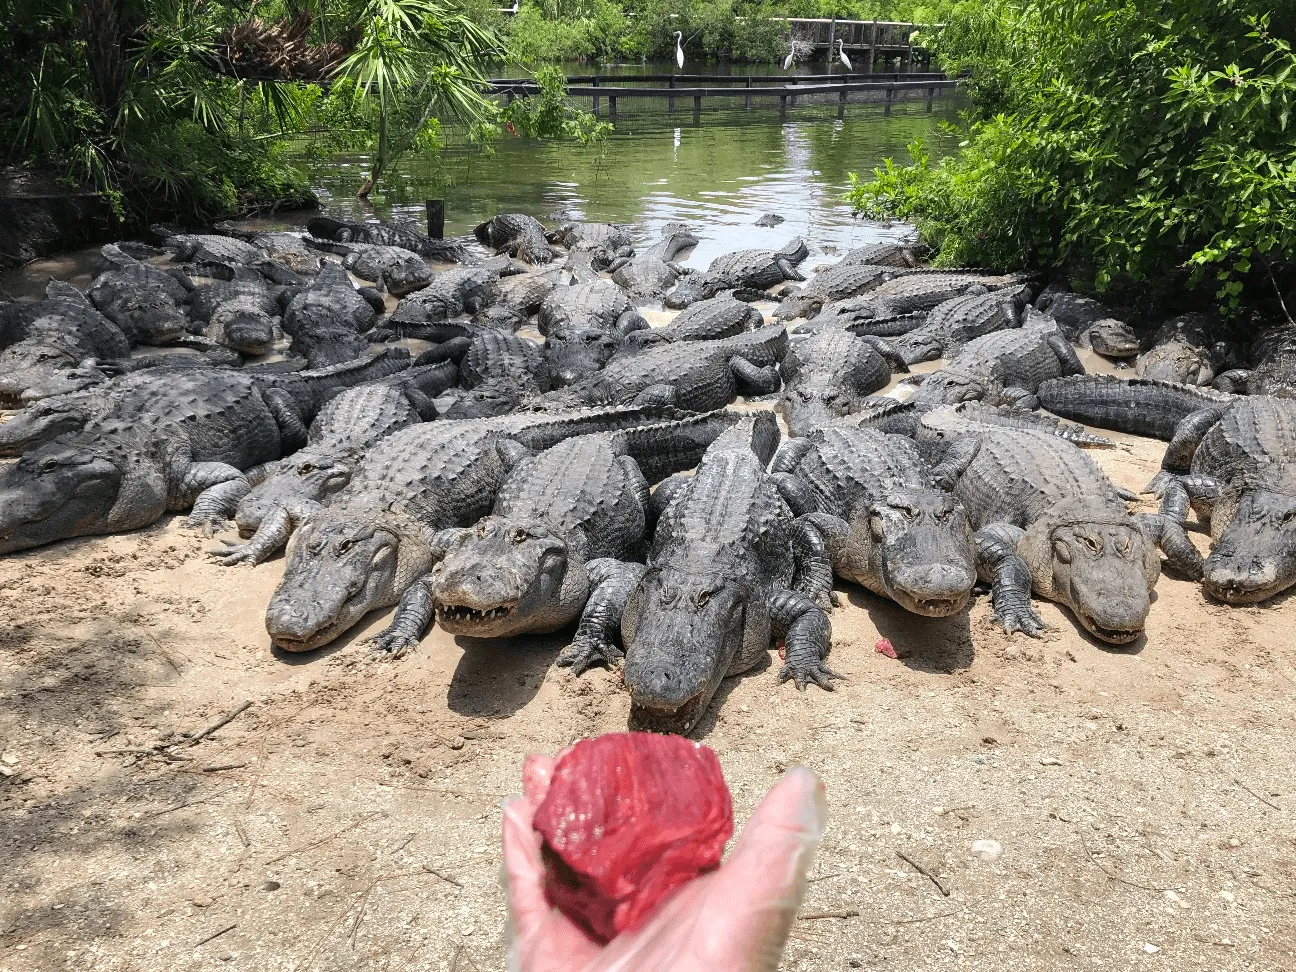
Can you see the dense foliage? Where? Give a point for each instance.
(1122, 139)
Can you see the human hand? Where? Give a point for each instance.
(735, 919)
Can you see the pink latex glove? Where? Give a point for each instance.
(735, 919)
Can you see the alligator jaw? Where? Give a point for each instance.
(465, 620)
(1114, 636)
(677, 721)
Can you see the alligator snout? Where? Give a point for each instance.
(933, 590)
(1116, 617)
(1246, 582)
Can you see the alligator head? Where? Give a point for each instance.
(916, 545)
(1097, 563)
(40, 422)
(691, 289)
(948, 387)
(27, 364)
(406, 276)
(808, 407)
(576, 354)
(303, 478)
(1113, 339)
(1183, 364)
(1255, 546)
(76, 486)
(682, 631)
(502, 578)
(248, 332)
(339, 567)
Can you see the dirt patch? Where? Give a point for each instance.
(349, 818)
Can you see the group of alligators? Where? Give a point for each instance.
(551, 460)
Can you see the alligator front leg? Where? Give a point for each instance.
(755, 380)
(807, 638)
(889, 353)
(292, 428)
(216, 489)
(999, 563)
(271, 535)
(614, 581)
(1183, 446)
(1168, 534)
(413, 615)
(955, 463)
(814, 575)
(662, 394)
(1199, 492)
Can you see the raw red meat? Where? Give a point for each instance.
(630, 817)
(884, 647)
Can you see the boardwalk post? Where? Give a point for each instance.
(872, 46)
(697, 109)
(747, 96)
(890, 95)
(931, 93)
(436, 218)
(832, 37)
(782, 106)
(670, 102)
(595, 83)
(612, 108)
(841, 102)
(909, 55)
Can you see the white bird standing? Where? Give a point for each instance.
(679, 48)
(841, 54)
(787, 61)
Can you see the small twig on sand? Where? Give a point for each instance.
(364, 818)
(924, 872)
(914, 921)
(1116, 877)
(816, 915)
(218, 934)
(822, 877)
(222, 721)
(221, 767)
(191, 803)
(1267, 803)
(444, 877)
(238, 828)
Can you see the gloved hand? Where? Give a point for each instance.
(735, 919)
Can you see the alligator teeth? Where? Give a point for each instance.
(461, 613)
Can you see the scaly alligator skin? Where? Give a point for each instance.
(1184, 350)
(887, 526)
(376, 539)
(499, 373)
(951, 324)
(451, 292)
(707, 320)
(165, 442)
(1242, 478)
(1273, 366)
(518, 235)
(327, 319)
(1003, 367)
(606, 240)
(749, 269)
(522, 569)
(89, 374)
(829, 375)
(285, 492)
(286, 248)
(1048, 519)
(240, 314)
(393, 269)
(1074, 314)
(924, 290)
(699, 376)
(653, 270)
(1110, 338)
(40, 338)
(390, 234)
(521, 295)
(730, 570)
(584, 325)
(202, 248)
(882, 255)
(1137, 406)
(838, 282)
(140, 299)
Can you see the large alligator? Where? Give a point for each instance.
(522, 570)
(1273, 366)
(240, 314)
(521, 295)
(652, 270)
(287, 491)
(499, 373)
(140, 299)
(900, 255)
(746, 269)
(1236, 465)
(951, 324)
(389, 234)
(1047, 518)
(838, 282)
(40, 338)
(711, 319)
(1187, 349)
(327, 319)
(167, 441)
(286, 248)
(829, 375)
(584, 325)
(1137, 406)
(731, 569)
(1074, 314)
(696, 375)
(517, 235)
(887, 526)
(377, 538)
(1001, 367)
(451, 292)
(1110, 338)
(922, 290)
(204, 248)
(394, 269)
(607, 241)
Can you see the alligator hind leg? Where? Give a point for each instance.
(814, 575)
(614, 581)
(999, 563)
(217, 489)
(807, 638)
(1168, 534)
(755, 380)
(1183, 446)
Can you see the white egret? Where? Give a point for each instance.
(787, 61)
(841, 54)
(679, 48)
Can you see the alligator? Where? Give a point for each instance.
(522, 570)
(584, 324)
(451, 292)
(1110, 338)
(521, 296)
(1136, 406)
(326, 320)
(499, 372)
(140, 299)
(858, 314)
(838, 282)
(653, 271)
(882, 255)
(1236, 465)
(731, 569)
(887, 526)
(240, 314)
(707, 320)
(1185, 350)
(743, 269)
(1047, 518)
(167, 441)
(376, 539)
(1074, 314)
(93, 372)
(696, 375)
(607, 241)
(390, 234)
(828, 375)
(951, 324)
(393, 269)
(1273, 366)
(924, 290)
(1003, 367)
(286, 248)
(517, 235)
(203, 248)
(285, 492)
(40, 338)
(770, 219)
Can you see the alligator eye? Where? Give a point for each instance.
(345, 545)
(908, 512)
(305, 469)
(50, 465)
(703, 597)
(1289, 516)
(1093, 545)
(519, 535)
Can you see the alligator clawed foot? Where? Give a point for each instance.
(585, 653)
(1027, 622)
(803, 674)
(208, 526)
(391, 645)
(1160, 483)
(233, 553)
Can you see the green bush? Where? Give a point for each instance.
(1149, 141)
